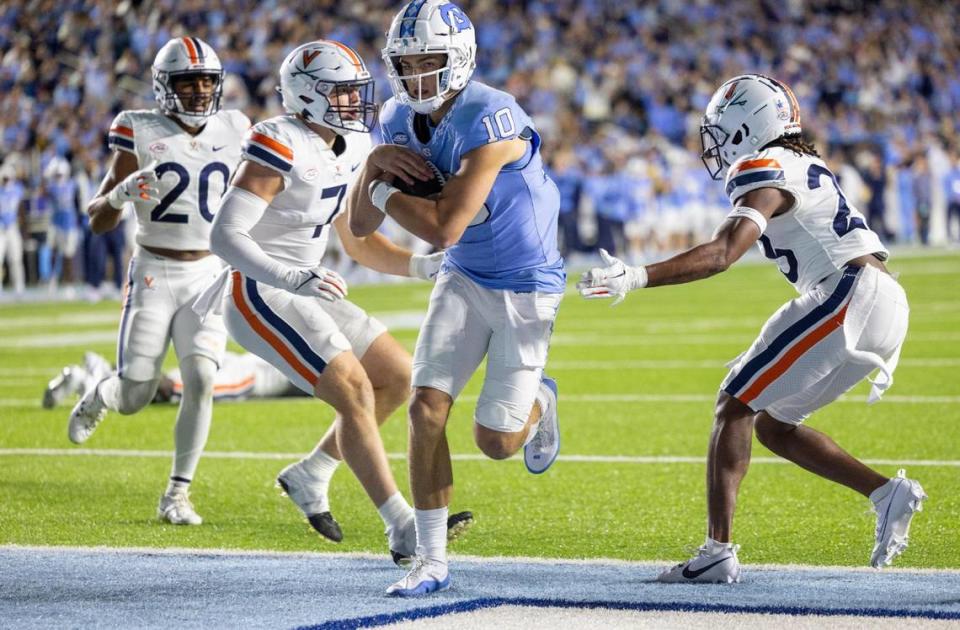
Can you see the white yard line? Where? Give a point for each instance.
(602, 398)
(464, 457)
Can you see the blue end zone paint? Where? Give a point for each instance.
(494, 602)
(44, 587)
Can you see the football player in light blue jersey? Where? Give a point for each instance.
(502, 280)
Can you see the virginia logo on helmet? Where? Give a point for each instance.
(188, 80)
(744, 115)
(327, 83)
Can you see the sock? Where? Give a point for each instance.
(320, 465)
(543, 401)
(714, 547)
(177, 485)
(396, 512)
(432, 534)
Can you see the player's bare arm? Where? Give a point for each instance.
(386, 161)
(443, 220)
(119, 186)
(738, 233)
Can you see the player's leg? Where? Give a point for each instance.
(297, 336)
(452, 342)
(199, 346)
(875, 326)
(15, 259)
(518, 404)
(387, 365)
(142, 344)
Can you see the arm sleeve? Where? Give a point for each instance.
(121, 135)
(230, 240)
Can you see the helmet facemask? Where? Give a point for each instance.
(409, 88)
(184, 106)
(351, 105)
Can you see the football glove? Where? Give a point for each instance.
(138, 187)
(319, 282)
(612, 281)
(425, 267)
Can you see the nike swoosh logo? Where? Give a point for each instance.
(687, 573)
(218, 148)
(355, 167)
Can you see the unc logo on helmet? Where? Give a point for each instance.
(328, 84)
(425, 27)
(745, 114)
(182, 59)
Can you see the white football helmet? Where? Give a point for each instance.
(327, 83)
(430, 27)
(180, 57)
(745, 114)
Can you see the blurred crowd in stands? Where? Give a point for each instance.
(616, 88)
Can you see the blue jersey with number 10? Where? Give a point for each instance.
(512, 242)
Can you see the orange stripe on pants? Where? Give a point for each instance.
(267, 334)
(777, 369)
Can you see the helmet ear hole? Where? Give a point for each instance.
(737, 137)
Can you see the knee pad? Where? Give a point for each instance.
(198, 374)
(497, 415)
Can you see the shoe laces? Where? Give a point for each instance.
(180, 500)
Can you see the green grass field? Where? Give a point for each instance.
(666, 347)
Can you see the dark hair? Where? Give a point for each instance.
(799, 144)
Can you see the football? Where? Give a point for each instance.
(423, 188)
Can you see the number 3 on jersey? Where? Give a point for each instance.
(842, 222)
(160, 213)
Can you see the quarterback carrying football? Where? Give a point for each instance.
(499, 289)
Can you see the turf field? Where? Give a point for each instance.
(636, 386)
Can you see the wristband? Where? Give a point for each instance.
(380, 191)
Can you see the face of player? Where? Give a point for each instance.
(195, 91)
(421, 74)
(346, 101)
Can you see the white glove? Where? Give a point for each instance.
(319, 282)
(614, 280)
(425, 267)
(139, 186)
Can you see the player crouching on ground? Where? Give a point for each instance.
(850, 318)
(291, 189)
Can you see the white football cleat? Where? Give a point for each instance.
(427, 576)
(722, 567)
(895, 503)
(177, 509)
(65, 384)
(86, 415)
(540, 452)
(97, 368)
(311, 497)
